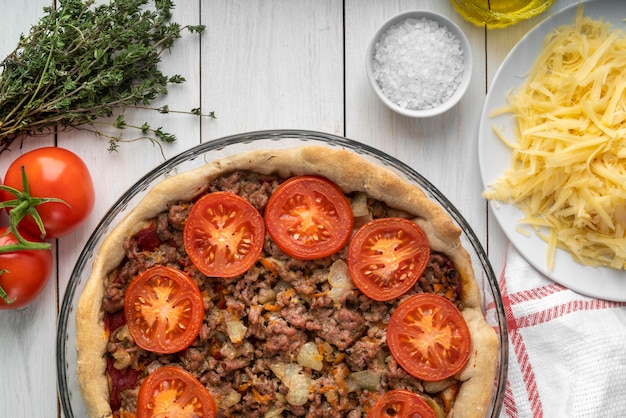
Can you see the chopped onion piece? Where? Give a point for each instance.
(298, 383)
(231, 398)
(122, 359)
(438, 385)
(310, 356)
(123, 334)
(299, 390)
(274, 412)
(235, 328)
(228, 350)
(359, 205)
(340, 281)
(435, 406)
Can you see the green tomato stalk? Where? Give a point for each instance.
(3, 294)
(24, 204)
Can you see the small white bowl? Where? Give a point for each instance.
(453, 29)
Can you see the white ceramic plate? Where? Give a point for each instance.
(494, 157)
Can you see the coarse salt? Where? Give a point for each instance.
(418, 63)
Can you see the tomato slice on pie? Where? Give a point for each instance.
(386, 257)
(163, 309)
(401, 403)
(223, 235)
(428, 337)
(309, 217)
(170, 391)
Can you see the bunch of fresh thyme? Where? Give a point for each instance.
(81, 61)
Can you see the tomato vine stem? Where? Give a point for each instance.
(3, 295)
(24, 204)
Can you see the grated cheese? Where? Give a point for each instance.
(568, 167)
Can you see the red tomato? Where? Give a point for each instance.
(309, 217)
(163, 309)
(401, 403)
(170, 391)
(27, 271)
(53, 173)
(224, 234)
(386, 257)
(428, 337)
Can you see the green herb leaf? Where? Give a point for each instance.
(81, 61)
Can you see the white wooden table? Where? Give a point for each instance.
(260, 64)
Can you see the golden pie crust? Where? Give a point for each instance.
(350, 172)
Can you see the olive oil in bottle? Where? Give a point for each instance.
(499, 13)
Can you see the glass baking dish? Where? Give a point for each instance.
(69, 392)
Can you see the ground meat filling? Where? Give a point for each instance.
(300, 331)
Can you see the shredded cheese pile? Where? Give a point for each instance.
(568, 169)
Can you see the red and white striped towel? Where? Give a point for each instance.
(567, 352)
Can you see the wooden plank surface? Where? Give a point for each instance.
(280, 64)
(27, 335)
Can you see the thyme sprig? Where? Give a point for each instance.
(81, 62)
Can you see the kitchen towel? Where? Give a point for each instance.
(567, 351)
